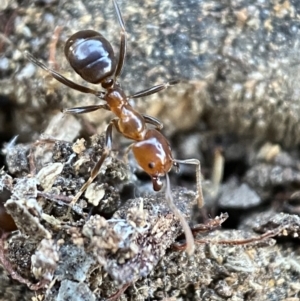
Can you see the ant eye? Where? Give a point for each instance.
(151, 165)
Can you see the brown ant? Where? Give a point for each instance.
(93, 58)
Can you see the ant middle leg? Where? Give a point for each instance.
(97, 167)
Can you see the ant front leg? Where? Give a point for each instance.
(98, 165)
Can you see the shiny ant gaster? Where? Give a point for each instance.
(93, 58)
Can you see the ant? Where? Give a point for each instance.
(93, 58)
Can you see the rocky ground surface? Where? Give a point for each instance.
(236, 109)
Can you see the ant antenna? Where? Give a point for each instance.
(200, 199)
(190, 244)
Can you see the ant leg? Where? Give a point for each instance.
(200, 199)
(190, 244)
(128, 149)
(85, 109)
(123, 43)
(98, 165)
(154, 89)
(151, 120)
(62, 79)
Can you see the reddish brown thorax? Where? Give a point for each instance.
(116, 99)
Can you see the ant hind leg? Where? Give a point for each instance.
(154, 89)
(123, 42)
(63, 79)
(85, 109)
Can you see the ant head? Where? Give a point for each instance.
(154, 156)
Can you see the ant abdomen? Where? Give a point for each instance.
(91, 56)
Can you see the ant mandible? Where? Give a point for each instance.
(93, 58)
